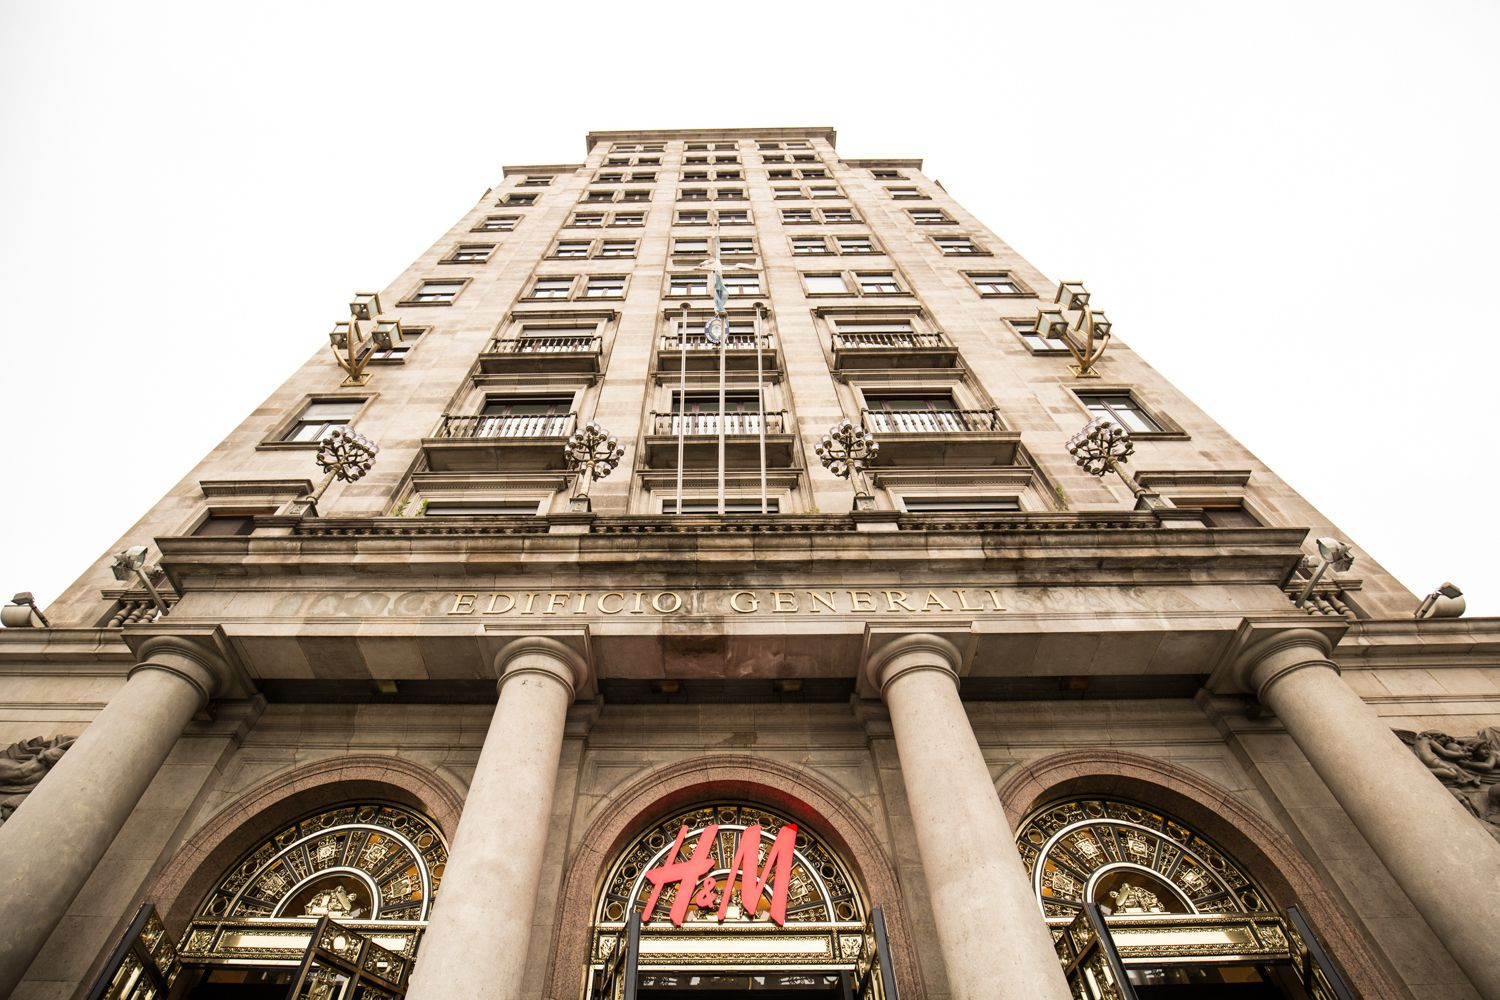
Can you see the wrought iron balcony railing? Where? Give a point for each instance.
(507, 425)
(696, 342)
(699, 423)
(931, 421)
(912, 341)
(561, 344)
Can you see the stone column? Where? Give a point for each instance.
(476, 944)
(57, 836)
(995, 944)
(1445, 861)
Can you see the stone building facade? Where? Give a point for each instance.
(441, 728)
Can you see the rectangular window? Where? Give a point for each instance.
(437, 293)
(796, 216)
(736, 248)
(610, 178)
(536, 180)
(854, 244)
(520, 199)
(710, 505)
(786, 193)
(1027, 331)
(768, 145)
(956, 245)
(617, 248)
(225, 525)
(780, 175)
(396, 352)
(525, 416)
(1224, 515)
(742, 284)
(960, 505)
(838, 215)
(645, 177)
(1122, 409)
(557, 287)
(471, 253)
(604, 286)
(996, 284)
(693, 194)
(902, 193)
(498, 508)
(729, 194)
(635, 195)
(572, 248)
(875, 333)
(734, 217)
(497, 223)
(822, 191)
(596, 195)
(930, 217)
(692, 218)
(698, 412)
(825, 284)
(587, 220)
(695, 175)
(693, 247)
(888, 175)
(318, 418)
(629, 219)
(877, 283)
(809, 245)
(688, 284)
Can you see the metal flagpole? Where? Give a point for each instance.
(721, 305)
(682, 349)
(760, 395)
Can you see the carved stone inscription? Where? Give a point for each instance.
(1468, 766)
(952, 600)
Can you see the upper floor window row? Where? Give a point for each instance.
(828, 216)
(724, 217)
(637, 147)
(598, 220)
(517, 200)
(711, 194)
(496, 224)
(790, 192)
(633, 161)
(596, 195)
(574, 249)
(619, 177)
(785, 144)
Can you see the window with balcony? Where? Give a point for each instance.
(856, 334)
(319, 417)
(1122, 408)
(547, 339)
(495, 508)
(914, 413)
(698, 413)
(525, 416)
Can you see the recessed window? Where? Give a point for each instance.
(617, 248)
(587, 220)
(999, 283)
(904, 193)
(694, 247)
(555, 287)
(957, 246)
(604, 286)
(786, 193)
(471, 253)
(959, 505)
(852, 333)
(1229, 514)
(1026, 329)
(809, 245)
(877, 283)
(825, 284)
(572, 248)
(729, 194)
(710, 505)
(320, 417)
(733, 216)
(796, 216)
(914, 413)
(822, 191)
(598, 195)
(497, 224)
(610, 178)
(519, 200)
(1122, 408)
(693, 194)
(688, 285)
(736, 247)
(526, 416)
(742, 284)
(888, 175)
(643, 177)
(436, 293)
(396, 353)
(795, 144)
(536, 180)
(854, 244)
(225, 525)
(635, 195)
(692, 218)
(930, 217)
(834, 215)
(768, 145)
(695, 175)
(628, 219)
(501, 508)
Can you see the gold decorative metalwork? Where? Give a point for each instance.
(1082, 329)
(1100, 850)
(379, 862)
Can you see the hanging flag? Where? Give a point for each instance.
(721, 292)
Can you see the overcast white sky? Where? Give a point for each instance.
(1288, 208)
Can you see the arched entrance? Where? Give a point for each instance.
(729, 896)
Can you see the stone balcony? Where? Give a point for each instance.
(499, 442)
(538, 355)
(881, 351)
(941, 438)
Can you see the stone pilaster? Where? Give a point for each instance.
(995, 943)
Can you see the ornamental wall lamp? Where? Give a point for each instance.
(847, 451)
(343, 454)
(1104, 446)
(1445, 602)
(22, 612)
(129, 565)
(1083, 330)
(591, 454)
(1331, 553)
(351, 348)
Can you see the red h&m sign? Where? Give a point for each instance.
(693, 885)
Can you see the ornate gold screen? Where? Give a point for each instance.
(821, 889)
(354, 862)
(1129, 859)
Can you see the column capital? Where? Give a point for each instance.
(544, 655)
(917, 651)
(192, 660)
(1267, 660)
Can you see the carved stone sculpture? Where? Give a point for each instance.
(23, 765)
(1468, 766)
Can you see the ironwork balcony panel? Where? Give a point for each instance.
(875, 351)
(703, 354)
(499, 442)
(569, 354)
(928, 438)
(700, 434)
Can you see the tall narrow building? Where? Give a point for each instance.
(724, 566)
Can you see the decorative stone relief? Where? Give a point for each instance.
(1468, 766)
(23, 765)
